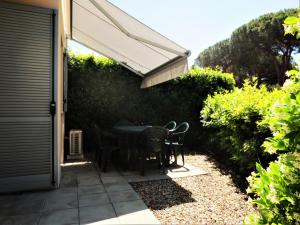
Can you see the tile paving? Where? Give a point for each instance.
(86, 196)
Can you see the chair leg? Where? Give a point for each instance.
(167, 157)
(104, 160)
(175, 154)
(182, 155)
(143, 162)
(97, 158)
(163, 157)
(158, 158)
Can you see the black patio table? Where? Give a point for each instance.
(135, 130)
(127, 141)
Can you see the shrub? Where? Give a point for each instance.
(188, 93)
(276, 189)
(284, 121)
(237, 117)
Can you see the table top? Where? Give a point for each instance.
(129, 129)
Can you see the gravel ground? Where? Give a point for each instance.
(204, 199)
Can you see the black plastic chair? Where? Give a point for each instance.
(106, 143)
(170, 126)
(152, 141)
(175, 142)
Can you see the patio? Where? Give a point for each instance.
(86, 197)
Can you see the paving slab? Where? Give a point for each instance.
(60, 217)
(106, 221)
(66, 202)
(28, 207)
(28, 219)
(110, 173)
(114, 187)
(134, 212)
(82, 174)
(139, 217)
(91, 189)
(113, 179)
(123, 196)
(88, 180)
(94, 214)
(123, 208)
(93, 199)
(69, 181)
(60, 193)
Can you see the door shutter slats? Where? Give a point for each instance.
(25, 94)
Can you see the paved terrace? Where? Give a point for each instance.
(85, 197)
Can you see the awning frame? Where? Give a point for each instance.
(117, 24)
(181, 55)
(124, 64)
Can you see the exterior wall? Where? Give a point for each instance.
(62, 8)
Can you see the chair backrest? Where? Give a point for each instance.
(170, 126)
(183, 127)
(152, 139)
(179, 132)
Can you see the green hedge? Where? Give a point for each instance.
(276, 189)
(237, 118)
(102, 91)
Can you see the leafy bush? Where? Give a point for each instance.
(276, 189)
(284, 122)
(237, 117)
(104, 92)
(188, 93)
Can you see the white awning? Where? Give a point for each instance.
(103, 27)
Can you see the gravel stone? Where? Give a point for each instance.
(206, 199)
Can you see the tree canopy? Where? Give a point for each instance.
(258, 48)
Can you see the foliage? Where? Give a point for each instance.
(284, 122)
(258, 48)
(237, 116)
(291, 25)
(276, 189)
(102, 91)
(188, 93)
(217, 55)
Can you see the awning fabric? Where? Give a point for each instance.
(103, 27)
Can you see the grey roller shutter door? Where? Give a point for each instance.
(25, 95)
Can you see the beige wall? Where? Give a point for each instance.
(63, 12)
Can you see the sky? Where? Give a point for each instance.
(196, 24)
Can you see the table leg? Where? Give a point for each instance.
(124, 151)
